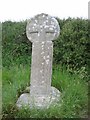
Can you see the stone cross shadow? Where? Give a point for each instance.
(41, 30)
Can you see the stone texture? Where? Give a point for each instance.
(41, 68)
(26, 100)
(41, 30)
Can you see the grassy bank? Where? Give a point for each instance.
(73, 93)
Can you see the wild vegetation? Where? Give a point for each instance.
(70, 69)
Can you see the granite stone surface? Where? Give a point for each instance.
(41, 30)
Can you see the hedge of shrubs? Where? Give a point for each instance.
(71, 48)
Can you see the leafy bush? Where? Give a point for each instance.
(71, 48)
(16, 46)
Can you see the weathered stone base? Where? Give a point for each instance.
(26, 100)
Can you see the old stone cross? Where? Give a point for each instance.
(41, 30)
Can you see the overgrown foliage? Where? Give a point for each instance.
(73, 102)
(72, 43)
(71, 48)
(16, 46)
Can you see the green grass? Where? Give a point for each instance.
(15, 79)
(73, 102)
